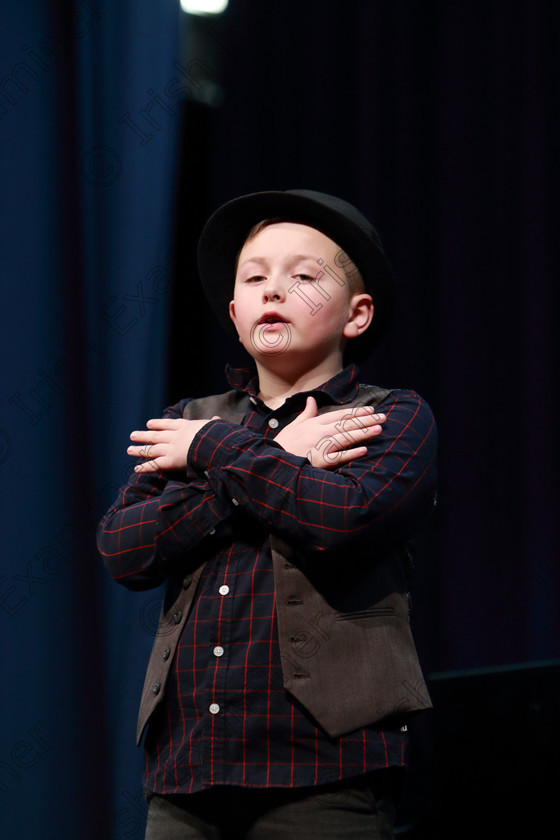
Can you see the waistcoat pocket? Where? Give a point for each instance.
(371, 612)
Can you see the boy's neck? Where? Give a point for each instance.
(277, 384)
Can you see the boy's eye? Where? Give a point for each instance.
(304, 277)
(254, 278)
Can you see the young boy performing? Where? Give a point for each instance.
(278, 514)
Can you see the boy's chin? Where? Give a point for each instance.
(269, 343)
(291, 359)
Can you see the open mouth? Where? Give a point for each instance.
(272, 318)
(271, 334)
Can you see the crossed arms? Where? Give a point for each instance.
(324, 481)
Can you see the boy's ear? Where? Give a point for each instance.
(360, 316)
(232, 312)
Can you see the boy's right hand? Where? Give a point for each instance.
(331, 439)
(165, 445)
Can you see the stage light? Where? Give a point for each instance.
(204, 7)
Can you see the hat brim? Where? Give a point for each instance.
(226, 231)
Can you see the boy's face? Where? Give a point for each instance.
(290, 299)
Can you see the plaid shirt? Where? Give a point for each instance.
(226, 718)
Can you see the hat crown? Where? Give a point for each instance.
(342, 207)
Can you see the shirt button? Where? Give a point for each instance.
(234, 502)
(156, 687)
(273, 423)
(213, 708)
(206, 473)
(166, 654)
(177, 616)
(212, 531)
(223, 590)
(218, 650)
(187, 582)
(252, 400)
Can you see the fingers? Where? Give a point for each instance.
(147, 467)
(352, 437)
(345, 434)
(165, 444)
(151, 453)
(155, 457)
(348, 443)
(334, 458)
(150, 450)
(357, 418)
(343, 456)
(163, 423)
(143, 437)
(354, 428)
(334, 450)
(153, 436)
(359, 413)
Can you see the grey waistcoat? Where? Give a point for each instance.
(346, 647)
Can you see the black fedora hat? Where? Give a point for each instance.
(226, 230)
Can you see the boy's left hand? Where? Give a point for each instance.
(332, 439)
(165, 445)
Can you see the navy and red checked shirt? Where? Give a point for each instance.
(226, 718)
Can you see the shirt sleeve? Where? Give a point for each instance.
(380, 496)
(156, 523)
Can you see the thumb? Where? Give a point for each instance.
(310, 409)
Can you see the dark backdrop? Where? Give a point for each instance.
(121, 131)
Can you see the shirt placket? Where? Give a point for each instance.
(219, 655)
(220, 647)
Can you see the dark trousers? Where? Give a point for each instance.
(356, 809)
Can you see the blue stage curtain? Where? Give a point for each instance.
(89, 121)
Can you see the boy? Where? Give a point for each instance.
(278, 514)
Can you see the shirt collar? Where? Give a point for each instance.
(342, 388)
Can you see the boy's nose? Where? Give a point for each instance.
(273, 289)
